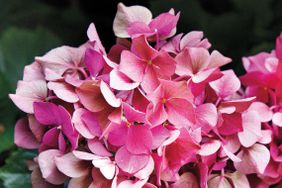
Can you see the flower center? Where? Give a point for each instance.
(150, 62)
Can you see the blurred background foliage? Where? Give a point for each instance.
(30, 28)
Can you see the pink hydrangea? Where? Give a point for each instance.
(154, 111)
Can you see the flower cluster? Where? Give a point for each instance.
(154, 111)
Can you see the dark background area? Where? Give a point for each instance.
(32, 27)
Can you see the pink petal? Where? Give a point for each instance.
(132, 66)
(254, 159)
(218, 60)
(98, 148)
(150, 80)
(180, 112)
(127, 15)
(146, 171)
(132, 115)
(251, 129)
(227, 85)
(142, 49)
(23, 136)
(46, 162)
(219, 182)
(64, 91)
(72, 166)
(120, 81)
(165, 63)
(80, 182)
(206, 115)
(164, 24)
(137, 29)
(129, 162)
(80, 126)
(37, 129)
(184, 63)
(85, 155)
(156, 115)
(159, 134)
(278, 47)
(109, 95)
(277, 119)
(139, 139)
(91, 97)
(209, 148)
(232, 123)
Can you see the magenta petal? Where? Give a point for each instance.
(117, 136)
(94, 62)
(72, 166)
(160, 134)
(130, 163)
(139, 28)
(139, 139)
(133, 115)
(165, 63)
(91, 122)
(47, 113)
(206, 115)
(50, 138)
(46, 161)
(23, 136)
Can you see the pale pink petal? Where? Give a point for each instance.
(265, 113)
(204, 75)
(94, 37)
(251, 129)
(209, 148)
(33, 72)
(254, 159)
(64, 91)
(85, 155)
(219, 182)
(79, 125)
(72, 166)
(187, 179)
(150, 80)
(46, 162)
(277, 119)
(139, 139)
(120, 81)
(129, 162)
(184, 64)
(127, 15)
(27, 93)
(39, 182)
(23, 136)
(227, 85)
(109, 95)
(240, 180)
(266, 137)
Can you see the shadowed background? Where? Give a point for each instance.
(32, 27)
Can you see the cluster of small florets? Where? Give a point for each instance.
(154, 111)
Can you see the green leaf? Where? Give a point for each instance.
(15, 174)
(18, 48)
